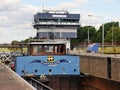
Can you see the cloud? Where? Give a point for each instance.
(116, 19)
(67, 5)
(85, 20)
(9, 4)
(108, 0)
(17, 24)
(3, 19)
(2, 32)
(29, 8)
(71, 5)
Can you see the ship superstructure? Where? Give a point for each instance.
(56, 24)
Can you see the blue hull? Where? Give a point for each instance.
(48, 65)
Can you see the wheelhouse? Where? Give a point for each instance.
(47, 48)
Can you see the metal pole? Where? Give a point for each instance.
(102, 31)
(103, 38)
(112, 35)
(88, 36)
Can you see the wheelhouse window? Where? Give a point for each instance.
(44, 49)
(37, 48)
(48, 48)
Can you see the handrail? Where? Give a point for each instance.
(41, 84)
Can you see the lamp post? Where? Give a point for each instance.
(88, 36)
(112, 35)
(102, 31)
(88, 32)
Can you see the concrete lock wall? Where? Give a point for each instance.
(115, 69)
(101, 66)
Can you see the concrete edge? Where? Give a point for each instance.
(20, 78)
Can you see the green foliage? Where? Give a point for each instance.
(14, 42)
(94, 35)
(107, 28)
(82, 34)
(26, 40)
(116, 34)
(113, 33)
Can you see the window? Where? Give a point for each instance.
(37, 49)
(48, 48)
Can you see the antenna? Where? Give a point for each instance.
(42, 6)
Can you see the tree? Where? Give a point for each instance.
(27, 40)
(15, 42)
(107, 28)
(82, 34)
(116, 35)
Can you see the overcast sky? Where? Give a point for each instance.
(16, 16)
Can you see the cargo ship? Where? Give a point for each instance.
(48, 56)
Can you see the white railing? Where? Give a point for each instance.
(55, 23)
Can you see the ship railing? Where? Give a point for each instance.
(56, 23)
(38, 85)
(47, 40)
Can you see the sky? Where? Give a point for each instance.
(16, 16)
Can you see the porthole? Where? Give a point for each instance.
(75, 70)
(22, 71)
(36, 70)
(50, 70)
(63, 70)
